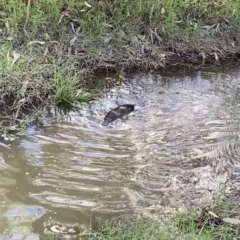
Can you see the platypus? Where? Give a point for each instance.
(118, 112)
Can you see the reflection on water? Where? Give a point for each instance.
(173, 150)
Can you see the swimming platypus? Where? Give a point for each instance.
(118, 112)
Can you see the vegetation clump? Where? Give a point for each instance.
(213, 223)
(219, 220)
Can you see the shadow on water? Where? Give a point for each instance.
(172, 151)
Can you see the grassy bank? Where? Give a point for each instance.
(184, 226)
(52, 48)
(220, 222)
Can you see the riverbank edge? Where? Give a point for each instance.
(25, 95)
(43, 65)
(219, 220)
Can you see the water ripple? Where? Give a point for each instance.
(173, 150)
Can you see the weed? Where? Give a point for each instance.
(137, 230)
(102, 17)
(205, 226)
(67, 90)
(82, 96)
(181, 226)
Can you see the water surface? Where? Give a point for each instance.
(172, 151)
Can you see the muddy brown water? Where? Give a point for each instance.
(174, 150)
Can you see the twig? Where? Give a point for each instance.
(16, 115)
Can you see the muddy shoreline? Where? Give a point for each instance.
(36, 87)
(44, 55)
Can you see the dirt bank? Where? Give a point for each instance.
(51, 49)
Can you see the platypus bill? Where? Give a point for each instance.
(118, 112)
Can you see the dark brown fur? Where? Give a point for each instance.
(118, 112)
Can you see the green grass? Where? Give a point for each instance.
(139, 230)
(67, 90)
(104, 16)
(187, 225)
(182, 226)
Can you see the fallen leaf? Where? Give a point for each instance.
(203, 55)
(164, 91)
(73, 40)
(69, 50)
(8, 57)
(216, 56)
(64, 13)
(87, 4)
(142, 37)
(108, 25)
(22, 100)
(232, 220)
(107, 40)
(23, 88)
(163, 55)
(16, 56)
(32, 42)
(45, 52)
(73, 28)
(213, 214)
(12, 128)
(157, 36)
(78, 30)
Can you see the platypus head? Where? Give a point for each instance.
(129, 107)
(118, 112)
